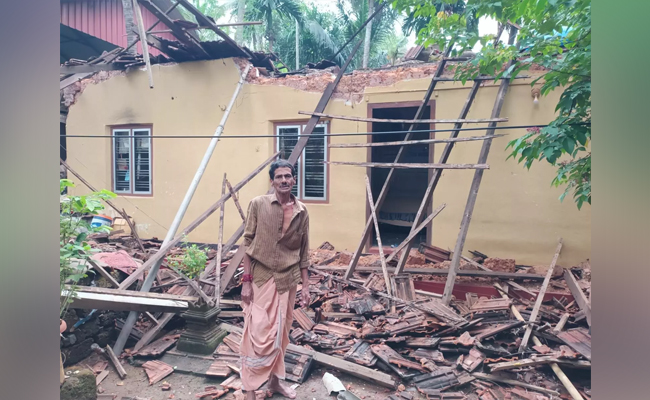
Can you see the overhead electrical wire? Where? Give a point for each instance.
(313, 134)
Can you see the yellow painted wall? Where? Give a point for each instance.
(517, 214)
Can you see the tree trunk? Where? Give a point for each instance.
(366, 44)
(239, 35)
(297, 46)
(131, 37)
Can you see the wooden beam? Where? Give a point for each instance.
(495, 378)
(247, 23)
(407, 121)
(162, 252)
(411, 142)
(98, 301)
(400, 153)
(88, 68)
(442, 271)
(236, 200)
(437, 174)
(540, 299)
(204, 21)
(373, 214)
(530, 362)
(578, 295)
(217, 280)
(143, 40)
(476, 183)
(560, 325)
(336, 363)
(414, 232)
(135, 293)
(116, 362)
(235, 262)
(554, 366)
(409, 165)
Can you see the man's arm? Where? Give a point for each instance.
(304, 262)
(249, 235)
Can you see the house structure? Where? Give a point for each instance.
(517, 213)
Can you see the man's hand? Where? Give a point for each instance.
(247, 292)
(305, 298)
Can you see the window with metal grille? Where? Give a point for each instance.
(311, 171)
(132, 160)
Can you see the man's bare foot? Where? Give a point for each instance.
(276, 387)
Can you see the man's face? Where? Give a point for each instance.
(283, 180)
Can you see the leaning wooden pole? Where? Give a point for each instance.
(476, 184)
(540, 299)
(435, 176)
(373, 214)
(143, 40)
(556, 368)
(217, 281)
(384, 190)
(148, 282)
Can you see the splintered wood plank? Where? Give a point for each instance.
(157, 370)
(498, 329)
(578, 295)
(234, 383)
(540, 299)
(491, 305)
(116, 362)
(441, 311)
(578, 339)
(529, 362)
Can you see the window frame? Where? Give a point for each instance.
(130, 129)
(301, 124)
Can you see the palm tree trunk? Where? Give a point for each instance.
(366, 43)
(127, 9)
(241, 9)
(297, 45)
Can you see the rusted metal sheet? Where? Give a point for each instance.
(361, 353)
(156, 370)
(158, 347)
(303, 319)
(105, 19)
(578, 339)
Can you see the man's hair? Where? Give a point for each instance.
(281, 164)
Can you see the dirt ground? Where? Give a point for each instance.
(185, 386)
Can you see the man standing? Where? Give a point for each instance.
(276, 260)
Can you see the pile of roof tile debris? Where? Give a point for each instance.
(412, 342)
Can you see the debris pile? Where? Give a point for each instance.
(410, 342)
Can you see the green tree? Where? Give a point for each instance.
(272, 12)
(555, 34)
(211, 9)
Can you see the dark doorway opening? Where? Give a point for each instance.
(407, 188)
